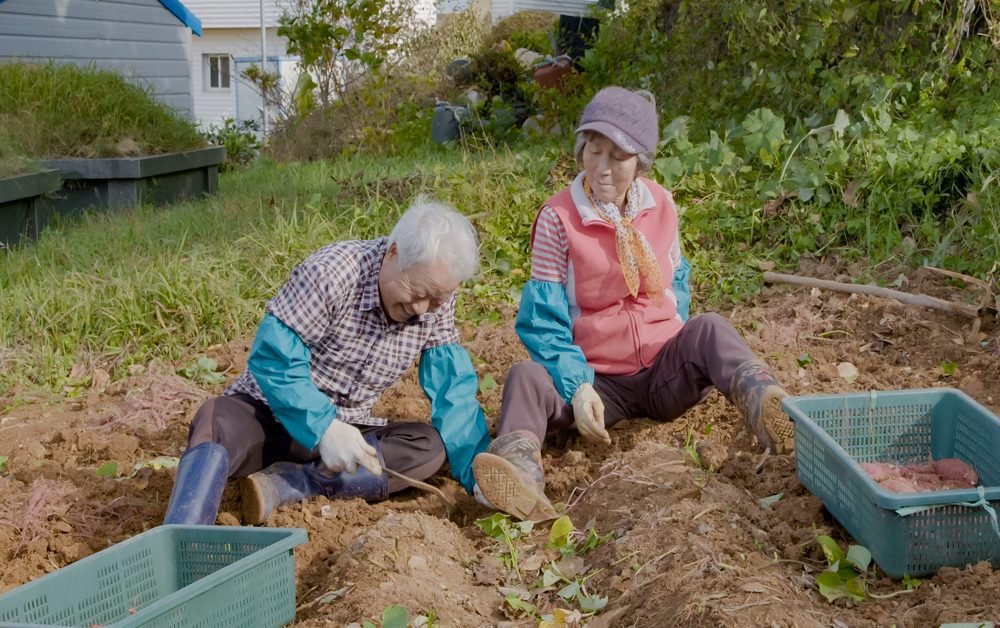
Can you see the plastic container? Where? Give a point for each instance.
(171, 575)
(552, 73)
(833, 433)
(446, 125)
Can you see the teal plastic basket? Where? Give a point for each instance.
(169, 576)
(833, 433)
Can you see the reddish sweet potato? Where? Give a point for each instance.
(880, 471)
(899, 485)
(914, 470)
(956, 472)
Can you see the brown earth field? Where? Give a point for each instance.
(686, 544)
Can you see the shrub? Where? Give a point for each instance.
(241, 139)
(526, 29)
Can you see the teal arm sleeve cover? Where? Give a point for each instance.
(279, 361)
(682, 288)
(450, 383)
(544, 326)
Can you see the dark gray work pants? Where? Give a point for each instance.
(703, 355)
(255, 439)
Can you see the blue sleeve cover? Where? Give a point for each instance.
(280, 362)
(682, 288)
(450, 383)
(544, 326)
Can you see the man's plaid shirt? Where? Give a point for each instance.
(332, 302)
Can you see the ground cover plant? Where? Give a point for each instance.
(114, 329)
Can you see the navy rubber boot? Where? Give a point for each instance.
(289, 482)
(201, 476)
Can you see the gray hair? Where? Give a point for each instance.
(645, 158)
(433, 231)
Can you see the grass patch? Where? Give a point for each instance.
(51, 111)
(13, 161)
(116, 290)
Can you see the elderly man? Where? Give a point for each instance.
(347, 324)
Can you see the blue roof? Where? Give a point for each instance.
(182, 13)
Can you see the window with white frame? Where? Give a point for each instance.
(217, 71)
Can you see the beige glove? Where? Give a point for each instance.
(588, 414)
(343, 448)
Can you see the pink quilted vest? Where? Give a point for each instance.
(619, 334)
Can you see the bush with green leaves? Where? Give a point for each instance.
(241, 139)
(533, 30)
(869, 130)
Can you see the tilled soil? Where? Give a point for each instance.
(684, 543)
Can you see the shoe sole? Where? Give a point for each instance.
(780, 428)
(501, 483)
(253, 502)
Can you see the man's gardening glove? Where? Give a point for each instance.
(343, 448)
(588, 414)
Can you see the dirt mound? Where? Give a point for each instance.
(696, 526)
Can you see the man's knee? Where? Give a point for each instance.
(416, 447)
(219, 419)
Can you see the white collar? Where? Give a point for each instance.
(586, 209)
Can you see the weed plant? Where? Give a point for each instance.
(51, 111)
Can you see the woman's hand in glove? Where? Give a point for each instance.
(588, 414)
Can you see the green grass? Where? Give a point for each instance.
(116, 290)
(50, 111)
(13, 161)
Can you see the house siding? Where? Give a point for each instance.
(230, 14)
(213, 106)
(503, 8)
(140, 39)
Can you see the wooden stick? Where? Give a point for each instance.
(986, 286)
(447, 501)
(912, 299)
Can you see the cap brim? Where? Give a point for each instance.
(621, 139)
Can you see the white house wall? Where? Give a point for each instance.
(213, 106)
(236, 13)
(503, 8)
(141, 39)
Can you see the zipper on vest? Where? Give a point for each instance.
(636, 345)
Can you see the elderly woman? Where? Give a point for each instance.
(605, 331)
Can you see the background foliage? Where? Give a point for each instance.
(865, 130)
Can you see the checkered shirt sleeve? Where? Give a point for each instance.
(332, 302)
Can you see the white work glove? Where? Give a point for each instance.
(588, 414)
(343, 448)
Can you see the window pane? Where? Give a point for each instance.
(213, 65)
(224, 63)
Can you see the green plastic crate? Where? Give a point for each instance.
(170, 576)
(833, 433)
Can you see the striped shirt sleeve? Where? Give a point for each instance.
(675, 251)
(549, 248)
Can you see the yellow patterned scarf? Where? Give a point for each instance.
(634, 252)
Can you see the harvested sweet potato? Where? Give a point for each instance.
(880, 470)
(937, 475)
(957, 472)
(899, 485)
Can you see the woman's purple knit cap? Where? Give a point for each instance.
(627, 118)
